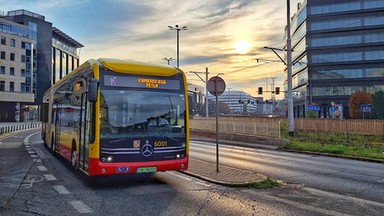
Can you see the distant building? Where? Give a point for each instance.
(34, 55)
(338, 49)
(239, 102)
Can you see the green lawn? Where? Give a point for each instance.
(363, 150)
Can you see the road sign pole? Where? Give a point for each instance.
(216, 86)
(217, 133)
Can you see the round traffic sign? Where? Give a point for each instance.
(216, 86)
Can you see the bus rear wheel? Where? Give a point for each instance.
(53, 146)
(74, 157)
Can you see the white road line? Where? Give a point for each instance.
(301, 205)
(61, 189)
(37, 160)
(81, 207)
(339, 196)
(31, 152)
(42, 168)
(34, 156)
(50, 177)
(37, 142)
(26, 139)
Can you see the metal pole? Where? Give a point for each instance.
(178, 30)
(291, 123)
(217, 130)
(206, 93)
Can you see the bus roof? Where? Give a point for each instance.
(128, 66)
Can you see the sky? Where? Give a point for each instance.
(225, 36)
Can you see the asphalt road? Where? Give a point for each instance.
(33, 182)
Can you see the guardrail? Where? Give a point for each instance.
(7, 127)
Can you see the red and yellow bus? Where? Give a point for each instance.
(112, 116)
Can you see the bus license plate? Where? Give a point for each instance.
(146, 169)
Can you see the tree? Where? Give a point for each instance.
(378, 104)
(356, 100)
(221, 106)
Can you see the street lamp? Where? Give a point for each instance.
(168, 59)
(177, 29)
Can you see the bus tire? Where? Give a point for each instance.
(53, 146)
(74, 157)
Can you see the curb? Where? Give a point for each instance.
(243, 184)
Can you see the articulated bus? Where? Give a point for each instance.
(112, 116)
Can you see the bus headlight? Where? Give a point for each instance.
(109, 159)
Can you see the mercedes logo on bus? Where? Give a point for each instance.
(146, 150)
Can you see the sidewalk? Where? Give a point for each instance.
(227, 176)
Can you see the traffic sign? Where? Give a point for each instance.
(366, 107)
(216, 86)
(313, 107)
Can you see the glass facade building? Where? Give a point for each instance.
(30, 45)
(337, 49)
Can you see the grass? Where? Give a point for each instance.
(343, 144)
(267, 183)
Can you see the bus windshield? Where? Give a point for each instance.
(134, 113)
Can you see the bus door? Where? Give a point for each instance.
(57, 122)
(84, 132)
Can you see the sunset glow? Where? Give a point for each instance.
(242, 46)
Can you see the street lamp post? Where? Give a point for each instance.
(168, 59)
(177, 29)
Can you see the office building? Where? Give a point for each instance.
(36, 55)
(338, 49)
(238, 102)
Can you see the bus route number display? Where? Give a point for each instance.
(141, 82)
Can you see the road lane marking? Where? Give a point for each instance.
(61, 189)
(50, 177)
(81, 207)
(26, 139)
(300, 205)
(42, 168)
(37, 142)
(339, 196)
(37, 160)
(34, 156)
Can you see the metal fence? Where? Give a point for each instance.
(235, 125)
(6, 127)
(272, 127)
(350, 126)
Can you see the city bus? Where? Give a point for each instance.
(112, 116)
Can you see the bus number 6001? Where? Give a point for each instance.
(160, 143)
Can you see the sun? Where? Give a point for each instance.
(242, 46)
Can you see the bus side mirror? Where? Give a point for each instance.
(93, 90)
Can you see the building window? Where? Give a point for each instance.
(22, 72)
(11, 86)
(12, 43)
(2, 55)
(3, 40)
(12, 56)
(12, 71)
(2, 70)
(25, 45)
(2, 85)
(22, 58)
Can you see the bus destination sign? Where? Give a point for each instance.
(141, 82)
